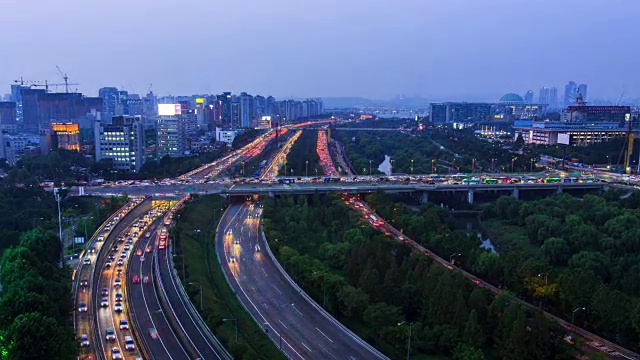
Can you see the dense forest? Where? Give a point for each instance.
(303, 150)
(587, 250)
(372, 284)
(35, 301)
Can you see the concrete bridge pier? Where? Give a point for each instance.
(470, 196)
(559, 189)
(516, 192)
(424, 197)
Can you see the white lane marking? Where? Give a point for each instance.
(306, 347)
(293, 306)
(264, 272)
(325, 335)
(277, 289)
(285, 326)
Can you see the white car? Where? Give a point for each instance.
(82, 307)
(117, 307)
(120, 262)
(104, 302)
(128, 343)
(116, 354)
(229, 232)
(87, 261)
(84, 340)
(117, 283)
(110, 334)
(124, 324)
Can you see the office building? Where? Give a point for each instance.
(247, 109)
(66, 136)
(570, 92)
(225, 136)
(110, 98)
(553, 98)
(528, 97)
(172, 131)
(459, 112)
(236, 115)
(122, 142)
(8, 117)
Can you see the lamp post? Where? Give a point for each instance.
(201, 302)
(370, 167)
(34, 221)
(532, 161)
(493, 165)
(243, 168)
(408, 339)
(306, 171)
(473, 165)
(513, 161)
(546, 277)
(58, 197)
(235, 322)
(452, 256)
(573, 315)
(412, 167)
(433, 165)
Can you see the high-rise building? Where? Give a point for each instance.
(582, 91)
(272, 107)
(225, 108)
(451, 112)
(110, 98)
(236, 115)
(8, 117)
(172, 131)
(121, 141)
(16, 97)
(30, 117)
(543, 95)
(553, 98)
(570, 92)
(528, 97)
(67, 136)
(247, 107)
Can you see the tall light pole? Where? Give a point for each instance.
(513, 161)
(473, 165)
(56, 193)
(370, 167)
(408, 340)
(532, 161)
(546, 277)
(306, 167)
(573, 315)
(235, 322)
(201, 297)
(433, 164)
(243, 168)
(412, 167)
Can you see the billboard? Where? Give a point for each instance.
(199, 100)
(169, 109)
(563, 139)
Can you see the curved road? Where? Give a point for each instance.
(294, 324)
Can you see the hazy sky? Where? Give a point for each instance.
(445, 49)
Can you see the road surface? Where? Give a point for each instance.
(295, 325)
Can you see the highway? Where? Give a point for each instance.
(199, 340)
(83, 287)
(294, 324)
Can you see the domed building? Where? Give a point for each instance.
(512, 98)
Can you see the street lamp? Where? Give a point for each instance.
(201, 302)
(34, 221)
(513, 161)
(452, 256)
(546, 277)
(408, 340)
(412, 167)
(243, 168)
(433, 164)
(306, 171)
(370, 167)
(235, 322)
(493, 165)
(573, 315)
(473, 165)
(532, 161)
(58, 197)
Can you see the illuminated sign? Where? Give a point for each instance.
(169, 109)
(65, 128)
(199, 100)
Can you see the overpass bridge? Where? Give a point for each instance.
(421, 191)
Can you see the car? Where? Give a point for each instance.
(236, 241)
(257, 247)
(84, 283)
(110, 334)
(127, 247)
(115, 247)
(86, 261)
(128, 343)
(120, 262)
(136, 279)
(84, 340)
(153, 333)
(92, 250)
(108, 264)
(146, 280)
(147, 235)
(117, 283)
(229, 232)
(104, 302)
(148, 249)
(117, 307)
(139, 252)
(232, 259)
(141, 258)
(104, 292)
(82, 307)
(119, 271)
(116, 354)
(124, 324)
(123, 254)
(119, 297)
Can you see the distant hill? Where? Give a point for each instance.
(347, 102)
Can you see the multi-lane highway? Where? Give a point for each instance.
(298, 327)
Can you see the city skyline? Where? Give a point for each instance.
(453, 50)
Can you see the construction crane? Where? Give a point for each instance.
(66, 80)
(34, 83)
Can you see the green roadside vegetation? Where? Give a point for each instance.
(569, 253)
(197, 250)
(371, 284)
(303, 150)
(606, 153)
(35, 302)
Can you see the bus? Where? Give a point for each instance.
(588, 179)
(552, 180)
(490, 181)
(331, 179)
(471, 181)
(570, 180)
(286, 180)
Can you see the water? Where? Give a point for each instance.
(473, 226)
(385, 167)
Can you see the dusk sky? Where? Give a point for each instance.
(440, 49)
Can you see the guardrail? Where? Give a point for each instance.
(326, 314)
(107, 244)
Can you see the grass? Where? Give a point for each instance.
(202, 267)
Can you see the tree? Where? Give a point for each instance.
(33, 336)
(473, 333)
(556, 251)
(467, 352)
(352, 301)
